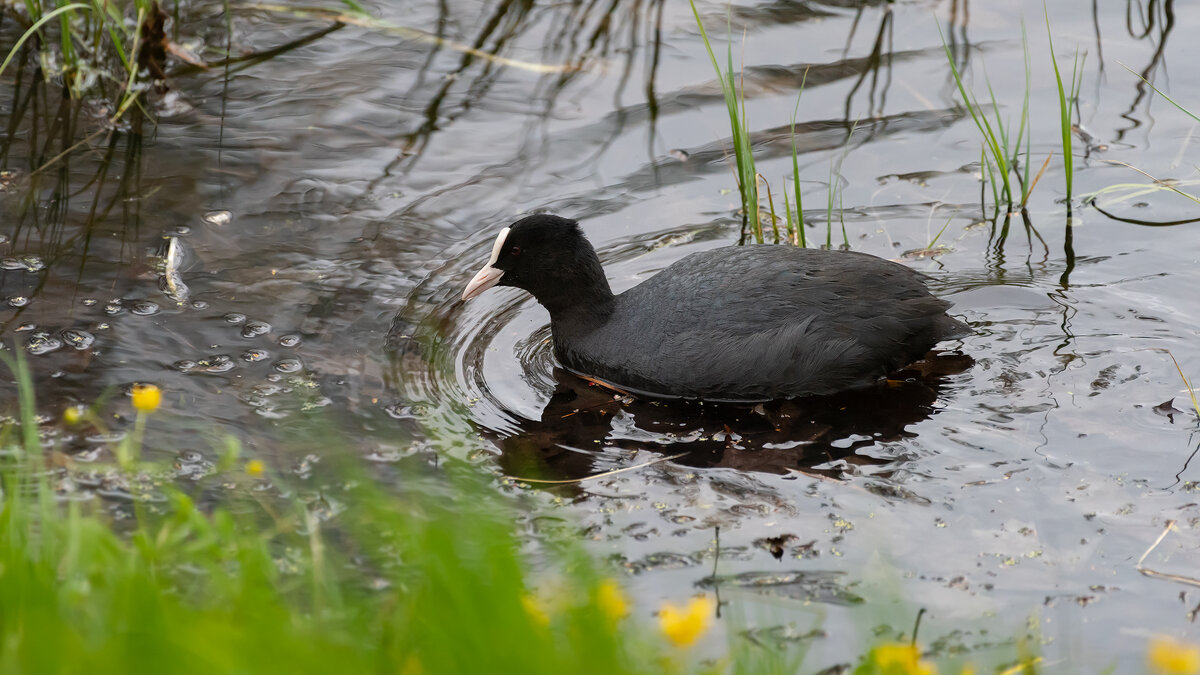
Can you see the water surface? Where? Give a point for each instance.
(328, 204)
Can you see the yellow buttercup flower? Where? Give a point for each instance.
(146, 397)
(73, 414)
(683, 625)
(536, 609)
(255, 467)
(611, 600)
(897, 658)
(1171, 657)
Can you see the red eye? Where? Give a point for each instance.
(516, 250)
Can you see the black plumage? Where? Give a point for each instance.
(740, 323)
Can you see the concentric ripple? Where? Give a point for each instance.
(492, 360)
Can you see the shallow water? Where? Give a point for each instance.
(328, 205)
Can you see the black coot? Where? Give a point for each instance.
(740, 323)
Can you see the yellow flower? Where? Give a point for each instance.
(536, 609)
(255, 467)
(146, 397)
(1171, 657)
(900, 659)
(611, 600)
(73, 414)
(683, 625)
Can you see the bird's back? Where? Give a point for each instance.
(761, 322)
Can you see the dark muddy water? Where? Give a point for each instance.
(328, 204)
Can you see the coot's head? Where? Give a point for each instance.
(547, 256)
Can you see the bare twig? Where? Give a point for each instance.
(1163, 575)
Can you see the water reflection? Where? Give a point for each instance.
(585, 429)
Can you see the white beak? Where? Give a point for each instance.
(483, 280)
(488, 276)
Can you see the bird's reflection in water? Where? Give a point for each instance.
(586, 429)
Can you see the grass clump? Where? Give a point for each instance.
(743, 155)
(739, 126)
(435, 579)
(1001, 149)
(1006, 158)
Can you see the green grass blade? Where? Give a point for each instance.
(800, 240)
(990, 137)
(743, 155)
(1156, 90)
(1064, 112)
(1025, 131)
(34, 28)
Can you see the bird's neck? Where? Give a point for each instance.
(580, 297)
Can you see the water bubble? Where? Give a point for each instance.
(384, 456)
(199, 304)
(218, 218)
(255, 355)
(3, 239)
(183, 230)
(288, 365)
(26, 327)
(89, 302)
(79, 339)
(109, 438)
(29, 263)
(234, 318)
(103, 325)
(290, 340)
(113, 308)
(253, 329)
(267, 389)
(42, 343)
(88, 455)
(18, 301)
(144, 308)
(218, 363)
(304, 466)
(399, 411)
(192, 465)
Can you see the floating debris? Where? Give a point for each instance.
(42, 343)
(79, 339)
(217, 218)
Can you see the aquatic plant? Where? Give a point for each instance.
(739, 126)
(1065, 102)
(1000, 160)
